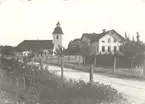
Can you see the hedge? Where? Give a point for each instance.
(107, 60)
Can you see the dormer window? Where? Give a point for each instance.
(57, 37)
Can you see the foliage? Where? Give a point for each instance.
(131, 48)
(84, 48)
(60, 51)
(73, 47)
(30, 56)
(7, 51)
(106, 60)
(8, 64)
(140, 59)
(138, 71)
(79, 90)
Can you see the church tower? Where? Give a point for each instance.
(57, 36)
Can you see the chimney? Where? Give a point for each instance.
(137, 37)
(104, 30)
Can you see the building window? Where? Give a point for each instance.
(109, 40)
(115, 48)
(103, 48)
(109, 49)
(115, 40)
(57, 37)
(103, 41)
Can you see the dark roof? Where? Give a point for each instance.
(95, 37)
(35, 45)
(58, 29)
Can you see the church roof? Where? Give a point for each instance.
(35, 45)
(58, 29)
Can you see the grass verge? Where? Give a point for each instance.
(120, 73)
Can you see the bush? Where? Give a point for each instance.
(73, 91)
(138, 71)
(9, 64)
(105, 60)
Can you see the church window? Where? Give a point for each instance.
(57, 37)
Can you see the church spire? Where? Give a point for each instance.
(58, 24)
(137, 37)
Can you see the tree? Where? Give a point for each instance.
(91, 62)
(60, 51)
(131, 48)
(85, 49)
(73, 47)
(7, 51)
(115, 58)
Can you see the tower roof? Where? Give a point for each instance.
(58, 23)
(58, 29)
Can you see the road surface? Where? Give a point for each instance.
(133, 90)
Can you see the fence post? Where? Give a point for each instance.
(91, 73)
(91, 68)
(84, 60)
(61, 68)
(94, 62)
(143, 68)
(114, 66)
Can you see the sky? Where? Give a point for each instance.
(36, 19)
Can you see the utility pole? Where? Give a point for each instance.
(115, 58)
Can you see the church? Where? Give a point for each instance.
(45, 47)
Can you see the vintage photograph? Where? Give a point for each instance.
(72, 51)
